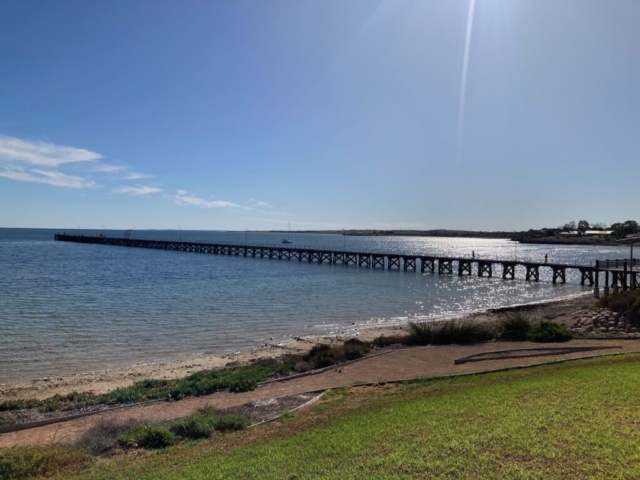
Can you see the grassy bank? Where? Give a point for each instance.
(572, 420)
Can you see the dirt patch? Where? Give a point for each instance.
(269, 408)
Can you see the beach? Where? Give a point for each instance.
(561, 311)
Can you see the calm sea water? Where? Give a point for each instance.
(68, 308)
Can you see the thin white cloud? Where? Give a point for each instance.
(48, 177)
(105, 168)
(136, 176)
(182, 198)
(42, 154)
(121, 172)
(259, 204)
(137, 190)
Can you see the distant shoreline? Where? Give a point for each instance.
(519, 237)
(405, 233)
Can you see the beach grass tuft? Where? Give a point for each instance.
(149, 436)
(231, 422)
(449, 332)
(514, 327)
(548, 332)
(386, 341)
(200, 424)
(102, 437)
(323, 355)
(29, 462)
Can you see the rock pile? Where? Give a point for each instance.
(603, 322)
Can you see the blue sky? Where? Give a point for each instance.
(328, 114)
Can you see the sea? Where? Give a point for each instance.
(69, 308)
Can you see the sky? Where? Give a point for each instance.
(400, 114)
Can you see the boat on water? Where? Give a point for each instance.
(288, 239)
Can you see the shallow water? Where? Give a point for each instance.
(68, 308)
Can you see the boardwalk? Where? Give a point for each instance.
(621, 276)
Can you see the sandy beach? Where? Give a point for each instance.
(563, 311)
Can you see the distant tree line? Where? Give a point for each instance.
(620, 229)
(583, 226)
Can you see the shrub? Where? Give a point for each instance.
(515, 327)
(243, 384)
(3, 421)
(50, 404)
(200, 424)
(383, 341)
(231, 422)
(420, 334)
(320, 356)
(302, 367)
(147, 436)
(450, 332)
(24, 462)
(627, 303)
(354, 349)
(103, 437)
(548, 332)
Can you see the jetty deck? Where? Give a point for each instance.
(618, 273)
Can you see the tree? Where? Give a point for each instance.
(621, 230)
(583, 226)
(599, 226)
(569, 226)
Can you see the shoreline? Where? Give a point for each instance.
(563, 310)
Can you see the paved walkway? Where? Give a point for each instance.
(400, 364)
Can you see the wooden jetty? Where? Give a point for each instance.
(624, 274)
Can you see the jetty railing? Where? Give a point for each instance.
(620, 263)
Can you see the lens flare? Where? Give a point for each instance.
(463, 82)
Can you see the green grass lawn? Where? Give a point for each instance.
(580, 419)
